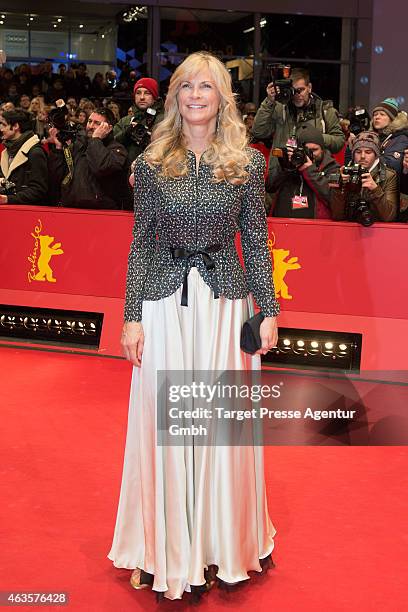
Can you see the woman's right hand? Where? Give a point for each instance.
(132, 342)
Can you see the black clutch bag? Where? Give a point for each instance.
(250, 337)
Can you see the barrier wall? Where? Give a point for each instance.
(328, 275)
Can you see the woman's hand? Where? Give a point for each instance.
(269, 334)
(132, 342)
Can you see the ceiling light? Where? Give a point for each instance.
(31, 18)
(55, 25)
(81, 25)
(59, 19)
(314, 344)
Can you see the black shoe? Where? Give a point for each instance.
(159, 596)
(197, 592)
(266, 563)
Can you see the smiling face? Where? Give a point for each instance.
(198, 99)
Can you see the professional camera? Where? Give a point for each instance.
(359, 120)
(7, 187)
(59, 118)
(140, 134)
(358, 210)
(300, 153)
(280, 77)
(354, 171)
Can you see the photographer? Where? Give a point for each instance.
(23, 168)
(281, 119)
(91, 169)
(302, 185)
(134, 131)
(368, 191)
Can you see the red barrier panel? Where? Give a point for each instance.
(328, 275)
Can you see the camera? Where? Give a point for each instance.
(280, 77)
(59, 118)
(300, 153)
(354, 171)
(7, 187)
(140, 134)
(359, 120)
(358, 210)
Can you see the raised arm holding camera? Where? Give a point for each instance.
(134, 131)
(89, 169)
(366, 190)
(289, 104)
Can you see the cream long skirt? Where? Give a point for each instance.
(183, 508)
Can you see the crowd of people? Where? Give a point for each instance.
(71, 141)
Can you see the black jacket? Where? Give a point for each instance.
(199, 215)
(312, 183)
(100, 175)
(28, 170)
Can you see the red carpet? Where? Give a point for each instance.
(341, 513)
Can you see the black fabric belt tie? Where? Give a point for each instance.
(186, 254)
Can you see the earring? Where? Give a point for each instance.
(217, 124)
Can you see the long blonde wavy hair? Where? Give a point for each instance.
(226, 153)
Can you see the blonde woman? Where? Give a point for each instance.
(190, 516)
(37, 105)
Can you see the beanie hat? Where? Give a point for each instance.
(367, 140)
(308, 133)
(150, 84)
(389, 106)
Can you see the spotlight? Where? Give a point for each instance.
(316, 349)
(81, 25)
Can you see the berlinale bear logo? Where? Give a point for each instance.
(40, 257)
(280, 268)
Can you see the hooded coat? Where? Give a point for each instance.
(27, 169)
(394, 140)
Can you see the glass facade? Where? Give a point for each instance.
(154, 40)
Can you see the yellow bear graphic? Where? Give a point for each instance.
(280, 267)
(47, 251)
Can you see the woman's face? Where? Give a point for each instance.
(35, 105)
(198, 99)
(82, 117)
(380, 120)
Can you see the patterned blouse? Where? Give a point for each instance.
(193, 221)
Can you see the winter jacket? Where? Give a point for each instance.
(283, 120)
(394, 140)
(122, 130)
(383, 201)
(100, 174)
(28, 170)
(313, 182)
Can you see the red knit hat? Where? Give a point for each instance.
(150, 84)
